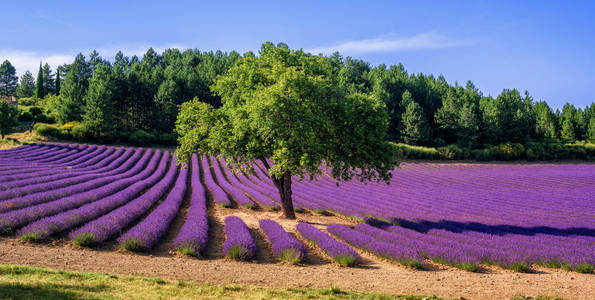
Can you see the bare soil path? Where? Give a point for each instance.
(317, 272)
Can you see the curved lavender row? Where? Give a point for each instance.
(257, 195)
(133, 186)
(239, 243)
(44, 187)
(90, 150)
(38, 176)
(56, 167)
(47, 175)
(35, 148)
(194, 234)
(58, 150)
(18, 149)
(114, 222)
(54, 158)
(44, 148)
(218, 194)
(27, 160)
(285, 246)
(237, 195)
(405, 255)
(338, 251)
(144, 235)
(108, 185)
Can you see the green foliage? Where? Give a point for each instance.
(57, 131)
(238, 253)
(28, 101)
(591, 130)
(71, 103)
(26, 87)
(49, 83)
(8, 79)
(141, 137)
(286, 106)
(545, 121)
(39, 91)
(8, 117)
(415, 126)
(99, 116)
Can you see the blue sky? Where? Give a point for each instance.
(545, 47)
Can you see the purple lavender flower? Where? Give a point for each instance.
(239, 244)
(144, 235)
(341, 253)
(193, 236)
(285, 246)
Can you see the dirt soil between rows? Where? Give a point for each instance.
(318, 271)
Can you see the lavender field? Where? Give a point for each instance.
(467, 216)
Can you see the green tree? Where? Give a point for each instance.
(568, 123)
(591, 131)
(39, 92)
(8, 117)
(8, 79)
(545, 121)
(58, 79)
(73, 90)
(285, 109)
(415, 129)
(26, 86)
(567, 132)
(49, 85)
(99, 104)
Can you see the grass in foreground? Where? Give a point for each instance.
(23, 282)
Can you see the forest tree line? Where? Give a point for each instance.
(137, 99)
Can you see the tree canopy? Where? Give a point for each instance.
(286, 109)
(8, 79)
(8, 117)
(26, 87)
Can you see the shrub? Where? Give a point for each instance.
(141, 138)
(27, 101)
(25, 116)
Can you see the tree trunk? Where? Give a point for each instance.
(285, 193)
(283, 184)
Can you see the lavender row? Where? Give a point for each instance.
(112, 224)
(218, 194)
(285, 246)
(14, 192)
(50, 192)
(239, 243)
(43, 176)
(109, 185)
(261, 198)
(341, 253)
(237, 195)
(192, 238)
(144, 235)
(133, 186)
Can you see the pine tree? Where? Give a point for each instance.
(39, 92)
(26, 86)
(57, 90)
(48, 80)
(567, 133)
(99, 112)
(591, 131)
(8, 79)
(415, 126)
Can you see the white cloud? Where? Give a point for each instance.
(430, 40)
(24, 60)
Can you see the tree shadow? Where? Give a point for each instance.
(424, 226)
(16, 290)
